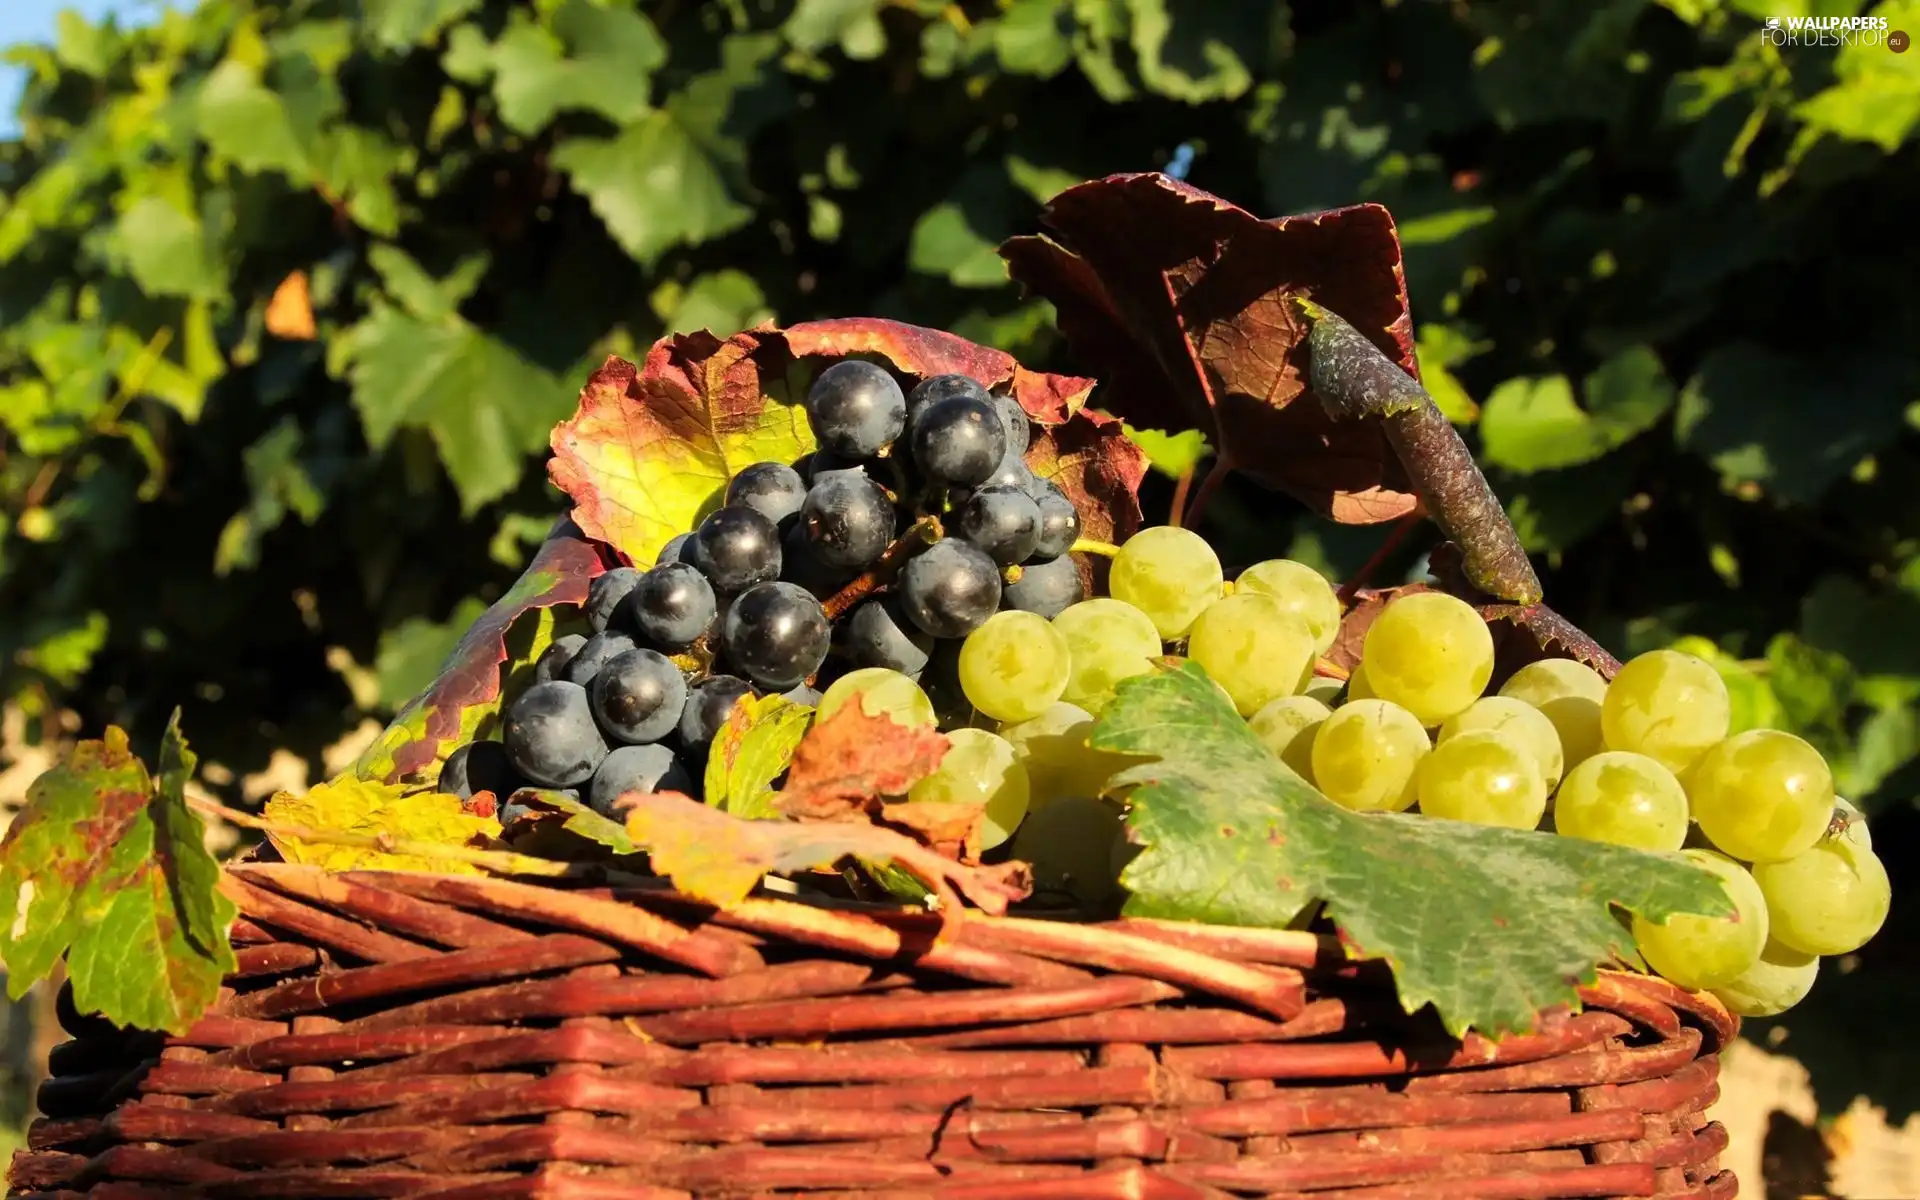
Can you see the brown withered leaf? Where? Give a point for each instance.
(952, 830)
(1180, 302)
(848, 762)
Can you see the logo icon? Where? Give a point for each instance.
(1773, 22)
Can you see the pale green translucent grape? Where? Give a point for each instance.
(1623, 798)
(1762, 795)
(1857, 831)
(1288, 726)
(1107, 640)
(1706, 952)
(1357, 686)
(1666, 705)
(1430, 653)
(1518, 720)
(979, 768)
(1014, 666)
(1069, 845)
(1301, 589)
(1780, 979)
(1325, 689)
(882, 692)
(1569, 694)
(1253, 647)
(1366, 755)
(1053, 748)
(1484, 777)
(1170, 574)
(1830, 900)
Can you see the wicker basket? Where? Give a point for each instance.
(469, 1038)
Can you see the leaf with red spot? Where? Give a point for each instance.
(106, 865)
(1522, 633)
(847, 763)
(489, 663)
(1180, 302)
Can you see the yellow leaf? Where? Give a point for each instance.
(367, 809)
(290, 311)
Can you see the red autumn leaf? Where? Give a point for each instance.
(951, 830)
(920, 352)
(1091, 459)
(719, 858)
(1180, 301)
(468, 685)
(847, 762)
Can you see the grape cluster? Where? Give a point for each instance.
(914, 522)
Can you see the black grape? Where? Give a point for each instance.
(856, 408)
(1013, 419)
(848, 520)
(776, 634)
(1014, 474)
(708, 705)
(1002, 521)
(936, 388)
(737, 547)
(878, 634)
(958, 441)
(637, 697)
(679, 548)
(605, 594)
(1059, 523)
(1046, 588)
(774, 490)
(950, 589)
(800, 564)
(550, 735)
(587, 661)
(479, 767)
(552, 663)
(671, 606)
(637, 769)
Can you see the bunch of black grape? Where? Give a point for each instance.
(914, 521)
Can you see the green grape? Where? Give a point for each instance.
(1168, 573)
(979, 768)
(1357, 686)
(1365, 756)
(1857, 831)
(1705, 952)
(1288, 727)
(1069, 845)
(1484, 777)
(1568, 693)
(1830, 900)
(1430, 653)
(1014, 666)
(1623, 798)
(1518, 720)
(1762, 795)
(1666, 705)
(882, 692)
(1325, 689)
(1253, 647)
(1107, 641)
(1053, 748)
(1299, 588)
(1779, 980)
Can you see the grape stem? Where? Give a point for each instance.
(1356, 381)
(1089, 546)
(1209, 484)
(921, 534)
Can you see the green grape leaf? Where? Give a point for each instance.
(248, 124)
(166, 250)
(581, 820)
(1193, 59)
(107, 865)
(404, 24)
(1535, 424)
(655, 185)
(751, 750)
(592, 57)
(1490, 926)
(486, 666)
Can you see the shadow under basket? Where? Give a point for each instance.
(393, 1035)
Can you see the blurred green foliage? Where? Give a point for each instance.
(1661, 274)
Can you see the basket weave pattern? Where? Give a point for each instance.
(392, 1035)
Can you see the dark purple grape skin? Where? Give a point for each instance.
(679, 548)
(587, 661)
(877, 634)
(649, 768)
(776, 634)
(1014, 420)
(479, 767)
(1002, 521)
(551, 737)
(671, 606)
(856, 408)
(935, 388)
(1046, 588)
(950, 589)
(1015, 474)
(774, 490)
(799, 564)
(708, 705)
(736, 547)
(637, 697)
(552, 663)
(848, 520)
(605, 595)
(1059, 523)
(958, 441)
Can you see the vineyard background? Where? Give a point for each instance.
(291, 293)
